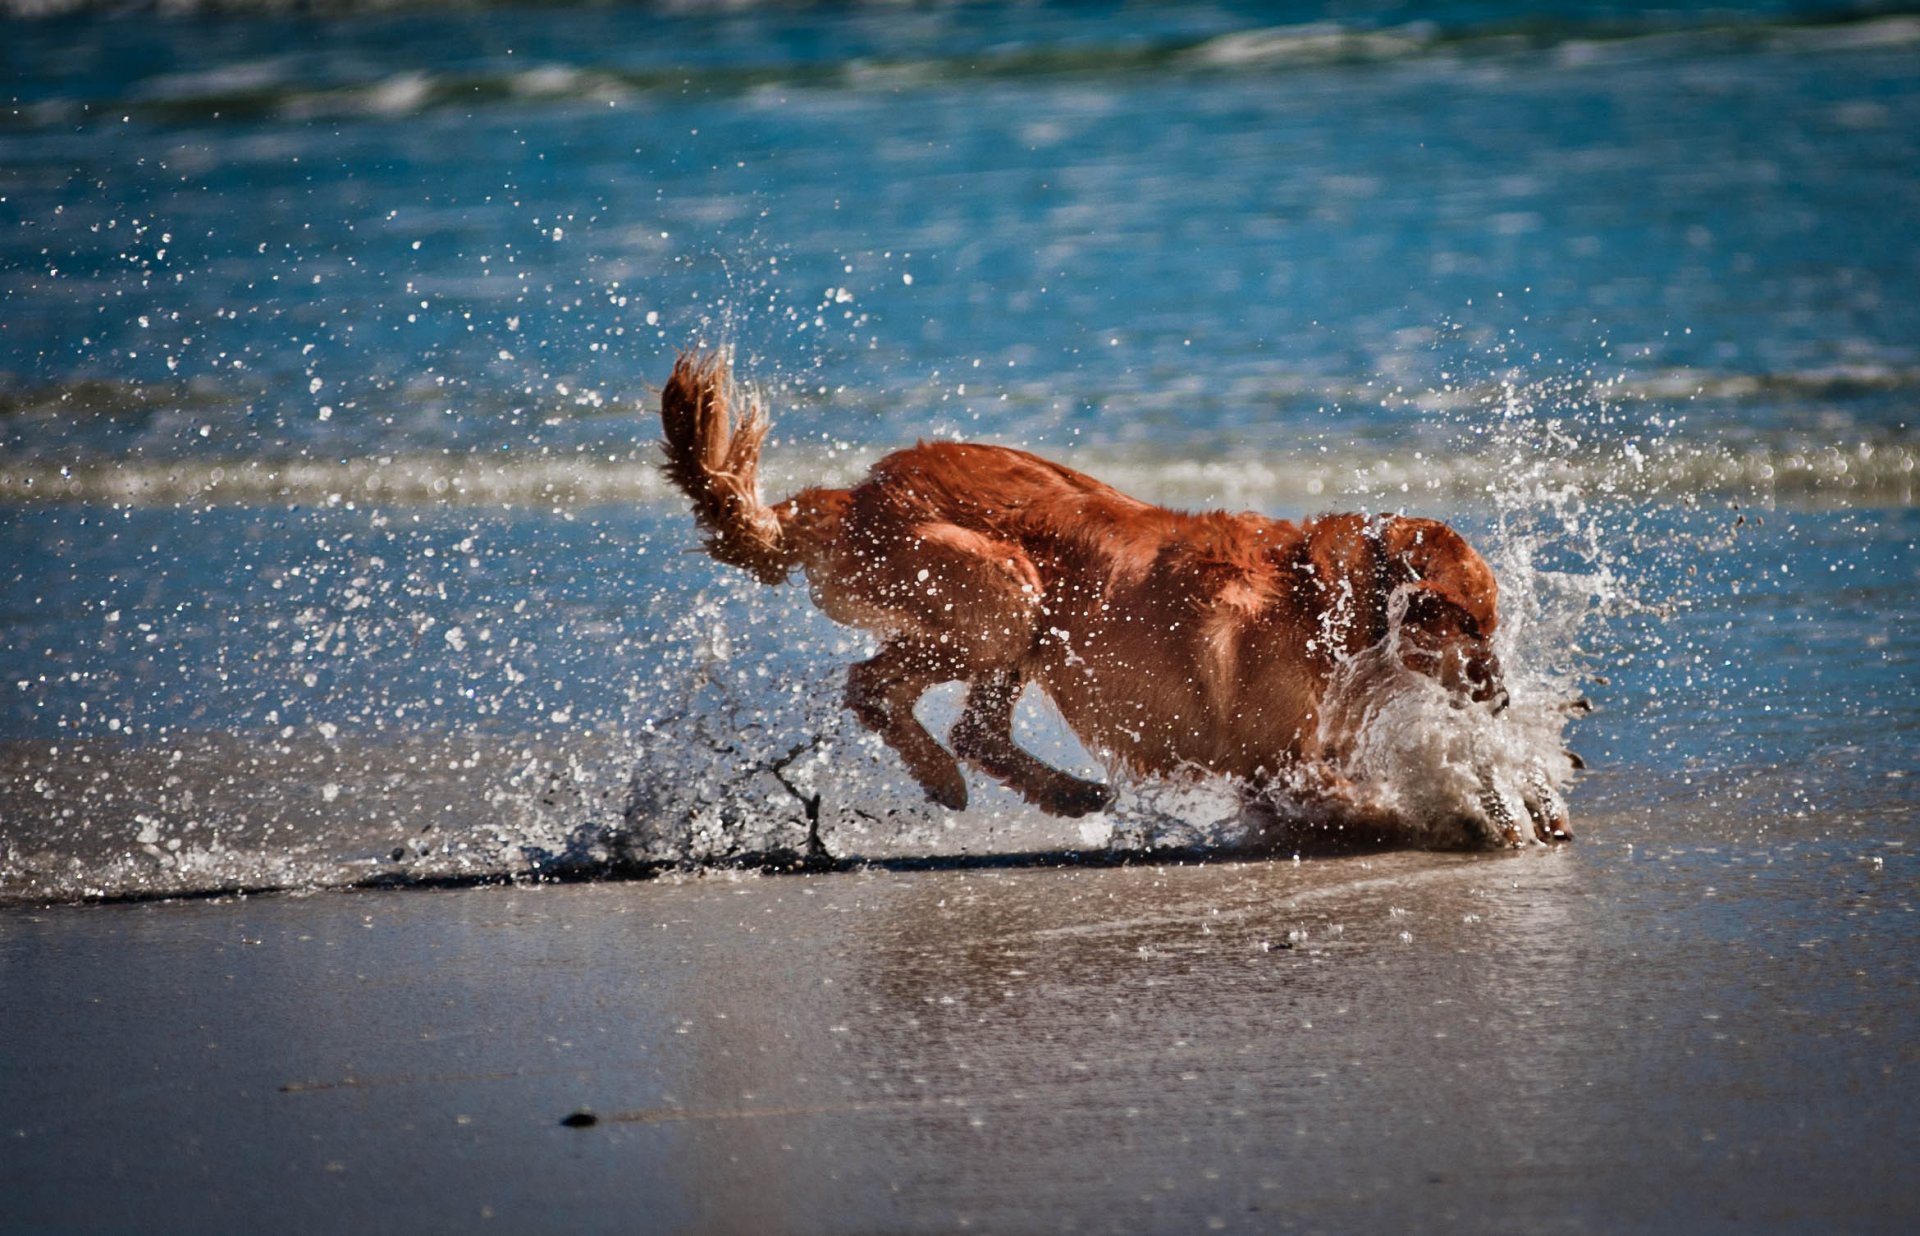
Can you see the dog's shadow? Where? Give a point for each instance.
(817, 858)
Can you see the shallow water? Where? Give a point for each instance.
(336, 553)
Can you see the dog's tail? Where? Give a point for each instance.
(713, 455)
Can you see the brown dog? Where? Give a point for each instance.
(1168, 641)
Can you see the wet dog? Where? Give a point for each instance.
(1170, 642)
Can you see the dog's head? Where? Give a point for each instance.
(1450, 643)
(1447, 611)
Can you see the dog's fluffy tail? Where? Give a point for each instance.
(713, 455)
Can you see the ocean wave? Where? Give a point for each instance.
(249, 96)
(1842, 473)
(1830, 381)
(1677, 386)
(258, 89)
(82, 399)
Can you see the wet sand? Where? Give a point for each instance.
(1623, 1034)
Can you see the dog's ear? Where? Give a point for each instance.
(1443, 564)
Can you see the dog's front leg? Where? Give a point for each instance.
(1545, 806)
(1539, 811)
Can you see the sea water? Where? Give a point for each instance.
(334, 547)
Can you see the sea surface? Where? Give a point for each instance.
(333, 550)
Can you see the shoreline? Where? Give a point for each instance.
(1572, 1039)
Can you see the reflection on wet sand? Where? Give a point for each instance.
(1131, 1037)
(1632, 1031)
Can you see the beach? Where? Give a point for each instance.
(1633, 1032)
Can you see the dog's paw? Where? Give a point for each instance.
(949, 791)
(1504, 814)
(1535, 813)
(1074, 798)
(1546, 809)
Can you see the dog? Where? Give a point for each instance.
(1170, 642)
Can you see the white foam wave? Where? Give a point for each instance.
(1839, 473)
(1869, 34)
(1313, 43)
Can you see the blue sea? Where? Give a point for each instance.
(333, 549)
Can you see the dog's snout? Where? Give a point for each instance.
(1485, 683)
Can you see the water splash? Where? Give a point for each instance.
(724, 742)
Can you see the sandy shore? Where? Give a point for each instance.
(1593, 1039)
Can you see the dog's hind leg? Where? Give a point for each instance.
(983, 736)
(881, 692)
(950, 603)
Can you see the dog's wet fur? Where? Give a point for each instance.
(1172, 643)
